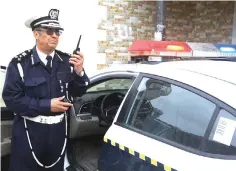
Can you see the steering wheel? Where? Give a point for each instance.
(110, 105)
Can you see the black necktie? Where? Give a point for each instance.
(48, 65)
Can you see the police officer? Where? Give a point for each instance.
(37, 81)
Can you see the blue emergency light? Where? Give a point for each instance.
(227, 50)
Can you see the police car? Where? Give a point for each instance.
(178, 115)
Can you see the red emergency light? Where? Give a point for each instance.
(159, 48)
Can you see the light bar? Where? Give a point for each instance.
(174, 47)
(227, 49)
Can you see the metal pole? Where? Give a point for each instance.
(160, 27)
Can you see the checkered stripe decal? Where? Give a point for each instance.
(139, 155)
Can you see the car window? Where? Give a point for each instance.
(222, 139)
(112, 84)
(171, 112)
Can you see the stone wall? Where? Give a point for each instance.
(185, 21)
(126, 21)
(200, 21)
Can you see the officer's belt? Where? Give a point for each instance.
(46, 119)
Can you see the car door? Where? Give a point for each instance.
(81, 111)
(6, 119)
(84, 119)
(163, 125)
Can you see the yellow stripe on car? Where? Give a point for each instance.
(131, 151)
(141, 156)
(105, 139)
(122, 147)
(113, 143)
(167, 168)
(154, 162)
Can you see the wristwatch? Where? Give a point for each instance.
(81, 74)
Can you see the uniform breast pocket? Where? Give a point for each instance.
(36, 87)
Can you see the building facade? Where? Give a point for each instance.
(190, 21)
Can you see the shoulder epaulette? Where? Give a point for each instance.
(62, 53)
(20, 57)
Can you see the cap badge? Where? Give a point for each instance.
(53, 14)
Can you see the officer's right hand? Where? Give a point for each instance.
(58, 106)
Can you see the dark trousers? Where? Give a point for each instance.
(47, 141)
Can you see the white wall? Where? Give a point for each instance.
(76, 16)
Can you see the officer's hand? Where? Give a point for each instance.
(77, 61)
(58, 106)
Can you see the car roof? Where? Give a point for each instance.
(222, 70)
(216, 78)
